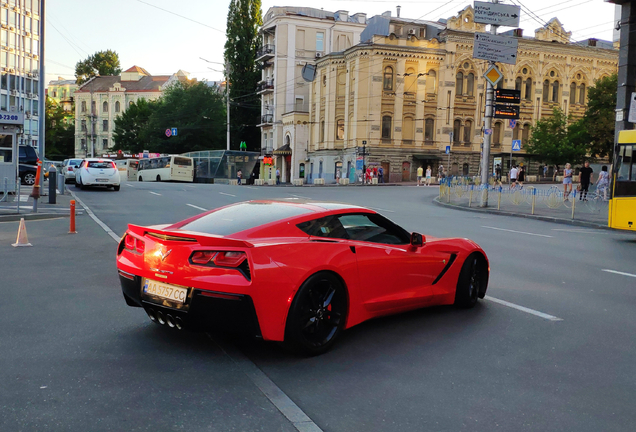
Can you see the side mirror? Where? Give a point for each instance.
(417, 240)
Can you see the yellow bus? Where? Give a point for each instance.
(622, 205)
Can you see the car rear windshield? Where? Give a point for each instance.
(244, 216)
(100, 164)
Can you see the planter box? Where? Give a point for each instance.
(319, 181)
(299, 182)
(271, 182)
(374, 180)
(344, 181)
(259, 182)
(233, 182)
(531, 178)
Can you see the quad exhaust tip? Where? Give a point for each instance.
(161, 318)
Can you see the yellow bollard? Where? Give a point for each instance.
(499, 199)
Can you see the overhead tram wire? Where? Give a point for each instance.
(181, 16)
(65, 38)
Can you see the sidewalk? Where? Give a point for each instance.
(9, 211)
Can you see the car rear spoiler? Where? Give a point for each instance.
(188, 236)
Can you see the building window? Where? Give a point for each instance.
(525, 132)
(83, 106)
(546, 90)
(582, 94)
(496, 136)
(83, 125)
(322, 131)
(528, 89)
(83, 143)
(500, 84)
(388, 78)
(457, 125)
(515, 131)
(468, 129)
(555, 91)
(117, 107)
(459, 84)
(320, 42)
(573, 93)
(93, 107)
(340, 129)
(105, 107)
(104, 143)
(429, 129)
(407, 129)
(105, 125)
(386, 127)
(431, 82)
(470, 84)
(518, 84)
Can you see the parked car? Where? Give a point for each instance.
(69, 167)
(299, 273)
(97, 172)
(28, 162)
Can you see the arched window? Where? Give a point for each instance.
(546, 91)
(470, 84)
(429, 129)
(410, 81)
(407, 128)
(555, 91)
(340, 129)
(388, 78)
(572, 93)
(431, 82)
(83, 106)
(518, 84)
(105, 107)
(459, 84)
(468, 131)
(496, 134)
(582, 94)
(94, 107)
(528, 89)
(465, 169)
(288, 140)
(525, 133)
(117, 107)
(500, 84)
(386, 127)
(515, 131)
(457, 125)
(322, 131)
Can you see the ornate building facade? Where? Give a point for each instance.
(411, 88)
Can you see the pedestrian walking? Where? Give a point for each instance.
(567, 181)
(428, 175)
(555, 173)
(545, 171)
(277, 176)
(239, 176)
(380, 175)
(368, 175)
(420, 174)
(338, 176)
(498, 172)
(440, 173)
(585, 177)
(602, 185)
(513, 175)
(521, 176)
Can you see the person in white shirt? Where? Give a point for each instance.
(513, 175)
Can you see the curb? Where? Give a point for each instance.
(522, 215)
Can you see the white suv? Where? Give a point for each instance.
(97, 172)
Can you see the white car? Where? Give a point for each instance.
(69, 167)
(97, 172)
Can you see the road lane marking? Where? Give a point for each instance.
(581, 230)
(227, 194)
(128, 184)
(197, 207)
(524, 309)
(154, 193)
(619, 273)
(300, 196)
(96, 219)
(518, 232)
(381, 209)
(276, 396)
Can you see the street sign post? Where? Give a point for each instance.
(447, 149)
(493, 75)
(516, 145)
(509, 96)
(487, 131)
(174, 131)
(497, 14)
(495, 48)
(512, 123)
(168, 133)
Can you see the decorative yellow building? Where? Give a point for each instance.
(411, 88)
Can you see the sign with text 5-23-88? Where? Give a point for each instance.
(497, 14)
(495, 48)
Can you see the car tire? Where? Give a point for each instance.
(158, 178)
(317, 314)
(472, 281)
(28, 179)
(116, 188)
(78, 183)
(140, 179)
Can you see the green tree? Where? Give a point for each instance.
(242, 43)
(59, 130)
(101, 63)
(132, 127)
(558, 140)
(599, 118)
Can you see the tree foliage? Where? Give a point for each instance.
(242, 43)
(599, 118)
(194, 108)
(557, 140)
(101, 63)
(59, 129)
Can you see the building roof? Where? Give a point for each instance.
(137, 69)
(104, 83)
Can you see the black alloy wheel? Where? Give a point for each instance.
(317, 314)
(472, 277)
(29, 179)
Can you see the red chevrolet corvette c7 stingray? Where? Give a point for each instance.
(293, 272)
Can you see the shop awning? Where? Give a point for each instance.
(282, 151)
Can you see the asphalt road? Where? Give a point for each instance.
(76, 358)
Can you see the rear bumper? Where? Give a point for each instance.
(234, 313)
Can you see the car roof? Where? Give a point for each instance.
(98, 159)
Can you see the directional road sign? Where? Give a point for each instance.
(497, 14)
(516, 145)
(168, 133)
(493, 75)
(487, 131)
(502, 49)
(447, 149)
(174, 131)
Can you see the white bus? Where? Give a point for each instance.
(166, 168)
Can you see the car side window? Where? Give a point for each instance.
(373, 228)
(328, 227)
(22, 153)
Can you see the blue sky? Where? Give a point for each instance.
(151, 34)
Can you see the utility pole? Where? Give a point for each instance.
(42, 84)
(485, 153)
(227, 103)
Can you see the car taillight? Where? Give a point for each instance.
(134, 244)
(201, 257)
(130, 242)
(140, 246)
(218, 258)
(70, 168)
(112, 165)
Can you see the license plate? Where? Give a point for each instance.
(101, 180)
(166, 291)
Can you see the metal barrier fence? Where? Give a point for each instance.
(550, 200)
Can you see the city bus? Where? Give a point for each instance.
(622, 205)
(166, 168)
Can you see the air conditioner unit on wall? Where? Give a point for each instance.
(411, 31)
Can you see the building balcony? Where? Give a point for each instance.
(266, 64)
(265, 87)
(267, 151)
(266, 120)
(266, 52)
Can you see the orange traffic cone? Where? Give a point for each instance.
(22, 240)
